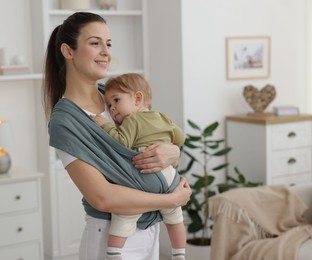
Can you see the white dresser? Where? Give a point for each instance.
(271, 149)
(20, 216)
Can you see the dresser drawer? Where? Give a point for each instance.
(20, 228)
(18, 196)
(293, 179)
(29, 251)
(291, 135)
(292, 161)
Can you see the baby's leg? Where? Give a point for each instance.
(177, 235)
(121, 227)
(114, 247)
(178, 240)
(173, 218)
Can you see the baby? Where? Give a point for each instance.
(128, 98)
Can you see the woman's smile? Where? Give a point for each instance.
(102, 63)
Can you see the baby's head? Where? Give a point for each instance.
(126, 94)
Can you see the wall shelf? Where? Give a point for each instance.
(30, 76)
(58, 12)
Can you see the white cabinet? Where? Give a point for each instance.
(20, 216)
(271, 149)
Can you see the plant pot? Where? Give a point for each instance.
(194, 252)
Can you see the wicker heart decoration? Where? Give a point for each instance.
(259, 100)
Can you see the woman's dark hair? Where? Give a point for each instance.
(55, 69)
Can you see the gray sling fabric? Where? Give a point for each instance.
(74, 132)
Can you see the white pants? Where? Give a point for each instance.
(142, 245)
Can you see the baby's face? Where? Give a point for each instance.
(120, 104)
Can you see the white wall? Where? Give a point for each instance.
(165, 46)
(308, 53)
(208, 96)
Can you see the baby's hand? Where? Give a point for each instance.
(99, 119)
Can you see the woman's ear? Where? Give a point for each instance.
(66, 51)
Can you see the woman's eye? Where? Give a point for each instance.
(109, 45)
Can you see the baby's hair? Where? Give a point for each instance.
(131, 83)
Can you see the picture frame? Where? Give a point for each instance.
(248, 57)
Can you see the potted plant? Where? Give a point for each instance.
(200, 148)
(206, 149)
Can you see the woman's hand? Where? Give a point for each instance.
(157, 157)
(182, 192)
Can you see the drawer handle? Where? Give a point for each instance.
(291, 161)
(18, 197)
(20, 229)
(291, 134)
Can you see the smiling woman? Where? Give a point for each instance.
(78, 56)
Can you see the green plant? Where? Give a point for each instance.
(240, 182)
(206, 149)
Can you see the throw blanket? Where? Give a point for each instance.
(263, 223)
(74, 132)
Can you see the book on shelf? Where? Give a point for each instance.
(14, 69)
(286, 111)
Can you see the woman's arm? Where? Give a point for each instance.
(104, 196)
(157, 157)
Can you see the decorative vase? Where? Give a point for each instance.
(5, 161)
(75, 4)
(107, 4)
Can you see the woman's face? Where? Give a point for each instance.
(93, 55)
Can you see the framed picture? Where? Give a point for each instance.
(248, 57)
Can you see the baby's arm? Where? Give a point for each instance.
(124, 134)
(179, 136)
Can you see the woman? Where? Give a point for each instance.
(78, 55)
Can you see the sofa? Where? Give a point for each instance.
(248, 213)
(305, 192)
